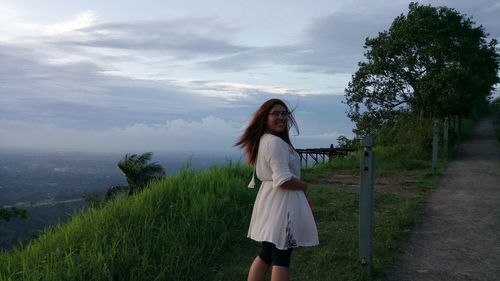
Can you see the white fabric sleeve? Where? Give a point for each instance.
(278, 156)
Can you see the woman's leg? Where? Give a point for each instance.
(279, 273)
(261, 263)
(258, 270)
(281, 263)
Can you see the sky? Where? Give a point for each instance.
(135, 76)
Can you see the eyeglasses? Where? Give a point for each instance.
(280, 113)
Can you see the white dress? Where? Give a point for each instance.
(280, 216)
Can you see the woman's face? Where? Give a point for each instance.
(277, 119)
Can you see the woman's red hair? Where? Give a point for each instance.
(250, 138)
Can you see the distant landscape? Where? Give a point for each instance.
(50, 185)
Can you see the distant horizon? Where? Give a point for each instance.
(230, 150)
(104, 152)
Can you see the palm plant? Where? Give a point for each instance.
(138, 172)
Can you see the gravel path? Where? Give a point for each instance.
(458, 235)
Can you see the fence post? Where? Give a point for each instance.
(435, 143)
(445, 137)
(366, 204)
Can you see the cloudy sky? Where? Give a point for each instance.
(183, 75)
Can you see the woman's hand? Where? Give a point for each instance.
(295, 184)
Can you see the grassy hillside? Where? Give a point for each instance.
(176, 230)
(193, 227)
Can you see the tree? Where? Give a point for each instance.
(7, 213)
(432, 62)
(138, 172)
(344, 142)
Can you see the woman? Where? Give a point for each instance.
(282, 218)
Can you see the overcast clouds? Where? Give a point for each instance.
(186, 75)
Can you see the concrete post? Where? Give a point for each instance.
(445, 137)
(366, 204)
(435, 144)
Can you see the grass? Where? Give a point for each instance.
(336, 213)
(176, 230)
(193, 226)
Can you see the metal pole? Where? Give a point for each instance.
(366, 204)
(445, 137)
(435, 143)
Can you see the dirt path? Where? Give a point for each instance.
(458, 236)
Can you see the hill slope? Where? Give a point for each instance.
(193, 227)
(175, 230)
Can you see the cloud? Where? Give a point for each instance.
(206, 43)
(330, 44)
(334, 43)
(82, 95)
(236, 92)
(80, 21)
(79, 106)
(208, 133)
(114, 84)
(183, 39)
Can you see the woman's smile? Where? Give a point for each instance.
(278, 119)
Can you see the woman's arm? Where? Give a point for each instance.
(295, 184)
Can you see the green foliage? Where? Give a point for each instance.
(350, 162)
(344, 142)
(138, 171)
(401, 157)
(432, 62)
(92, 199)
(405, 143)
(7, 213)
(407, 129)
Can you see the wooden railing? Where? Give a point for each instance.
(321, 154)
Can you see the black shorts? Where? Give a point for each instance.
(272, 255)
